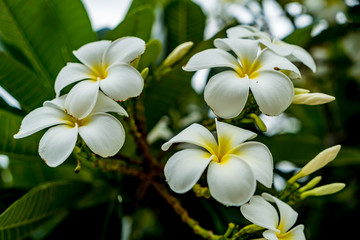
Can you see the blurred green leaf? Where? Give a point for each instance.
(46, 31)
(300, 36)
(138, 23)
(20, 81)
(138, 4)
(19, 148)
(185, 21)
(23, 177)
(36, 206)
(173, 85)
(48, 226)
(151, 54)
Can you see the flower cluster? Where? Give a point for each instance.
(258, 72)
(104, 76)
(262, 67)
(256, 64)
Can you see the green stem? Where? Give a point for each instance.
(249, 229)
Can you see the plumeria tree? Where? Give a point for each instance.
(111, 140)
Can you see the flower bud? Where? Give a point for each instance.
(323, 190)
(144, 73)
(312, 183)
(316, 163)
(259, 123)
(179, 52)
(303, 96)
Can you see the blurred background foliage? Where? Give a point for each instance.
(37, 38)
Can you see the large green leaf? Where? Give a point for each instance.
(22, 83)
(37, 206)
(138, 23)
(164, 93)
(19, 148)
(137, 4)
(185, 21)
(46, 31)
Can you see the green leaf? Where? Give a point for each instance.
(151, 54)
(19, 148)
(137, 4)
(23, 177)
(46, 31)
(37, 206)
(185, 21)
(175, 83)
(22, 83)
(138, 23)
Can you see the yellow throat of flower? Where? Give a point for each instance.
(99, 72)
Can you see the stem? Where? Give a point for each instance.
(182, 212)
(246, 231)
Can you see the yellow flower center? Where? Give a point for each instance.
(99, 72)
(72, 121)
(248, 68)
(221, 151)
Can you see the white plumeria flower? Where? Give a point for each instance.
(262, 213)
(105, 66)
(102, 132)
(233, 166)
(227, 92)
(293, 52)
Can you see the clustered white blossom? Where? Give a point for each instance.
(104, 77)
(256, 63)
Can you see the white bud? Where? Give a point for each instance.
(323, 190)
(179, 52)
(317, 162)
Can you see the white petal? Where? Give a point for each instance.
(231, 182)
(226, 94)
(287, 215)
(245, 49)
(230, 137)
(273, 92)
(92, 54)
(270, 235)
(297, 233)
(194, 134)
(246, 32)
(57, 144)
(82, 98)
(303, 56)
(278, 47)
(259, 158)
(103, 134)
(261, 213)
(211, 58)
(69, 74)
(185, 168)
(106, 104)
(124, 50)
(58, 103)
(39, 119)
(270, 61)
(123, 82)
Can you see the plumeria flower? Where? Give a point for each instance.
(104, 65)
(101, 132)
(262, 213)
(233, 166)
(227, 92)
(293, 52)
